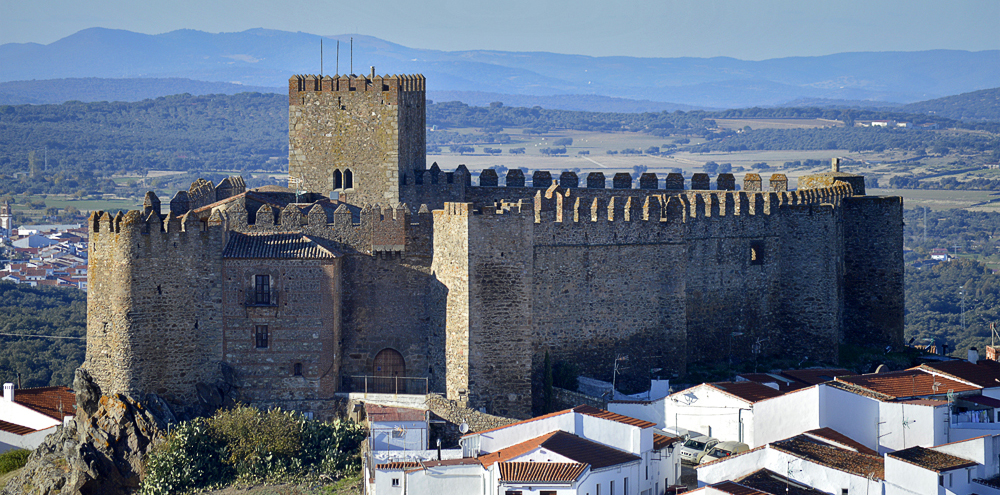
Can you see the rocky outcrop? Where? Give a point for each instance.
(101, 450)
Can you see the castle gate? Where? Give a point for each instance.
(388, 367)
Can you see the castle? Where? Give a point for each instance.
(376, 265)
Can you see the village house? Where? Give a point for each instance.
(29, 415)
(583, 450)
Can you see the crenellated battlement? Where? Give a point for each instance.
(560, 205)
(391, 85)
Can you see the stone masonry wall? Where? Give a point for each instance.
(154, 306)
(302, 327)
(371, 126)
(873, 270)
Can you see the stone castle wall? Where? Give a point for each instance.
(154, 306)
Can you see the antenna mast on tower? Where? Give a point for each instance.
(321, 56)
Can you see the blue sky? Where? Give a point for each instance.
(747, 29)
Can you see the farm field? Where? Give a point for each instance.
(776, 123)
(942, 199)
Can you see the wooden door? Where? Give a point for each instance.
(388, 366)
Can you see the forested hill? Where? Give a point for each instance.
(41, 311)
(977, 105)
(249, 131)
(46, 91)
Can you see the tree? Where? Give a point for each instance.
(462, 149)
(563, 141)
(725, 168)
(515, 151)
(653, 150)
(710, 167)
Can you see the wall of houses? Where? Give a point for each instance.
(785, 416)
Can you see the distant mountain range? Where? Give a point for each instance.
(260, 58)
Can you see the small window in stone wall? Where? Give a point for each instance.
(297, 369)
(260, 336)
(338, 180)
(348, 179)
(756, 253)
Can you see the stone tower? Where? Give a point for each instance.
(6, 219)
(355, 136)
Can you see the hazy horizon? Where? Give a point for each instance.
(678, 28)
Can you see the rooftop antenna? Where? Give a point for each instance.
(321, 56)
(338, 57)
(352, 54)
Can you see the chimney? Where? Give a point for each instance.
(973, 355)
(8, 392)
(835, 164)
(373, 73)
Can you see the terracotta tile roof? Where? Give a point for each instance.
(601, 413)
(544, 472)
(931, 459)
(15, 429)
(907, 383)
(768, 481)
(48, 400)
(588, 410)
(375, 412)
(597, 455)
(275, 246)
(839, 439)
(785, 384)
(854, 389)
(661, 442)
(466, 461)
(733, 488)
(724, 459)
(396, 466)
(748, 391)
(984, 373)
(816, 376)
(834, 457)
(925, 402)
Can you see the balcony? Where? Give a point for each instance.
(254, 300)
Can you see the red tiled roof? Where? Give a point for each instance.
(768, 481)
(379, 413)
(907, 383)
(15, 429)
(541, 472)
(396, 466)
(661, 442)
(733, 488)
(984, 373)
(748, 391)
(620, 418)
(816, 376)
(784, 383)
(834, 457)
(588, 410)
(931, 459)
(48, 400)
(839, 439)
(597, 455)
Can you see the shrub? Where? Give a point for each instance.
(250, 445)
(13, 459)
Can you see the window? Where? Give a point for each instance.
(547, 492)
(260, 336)
(298, 369)
(395, 482)
(625, 486)
(598, 489)
(611, 489)
(843, 491)
(262, 289)
(348, 179)
(757, 253)
(512, 492)
(338, 180)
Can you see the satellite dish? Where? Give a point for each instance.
(881, 369)
(464, 427)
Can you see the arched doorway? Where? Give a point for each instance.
(389, 366)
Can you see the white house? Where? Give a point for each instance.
(804, 459)
(724, 410)
(28, 415)
(396, 428)
(583, 450)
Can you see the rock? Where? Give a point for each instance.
(101, 451)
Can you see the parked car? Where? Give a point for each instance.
(724, 449)
(696, 448)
